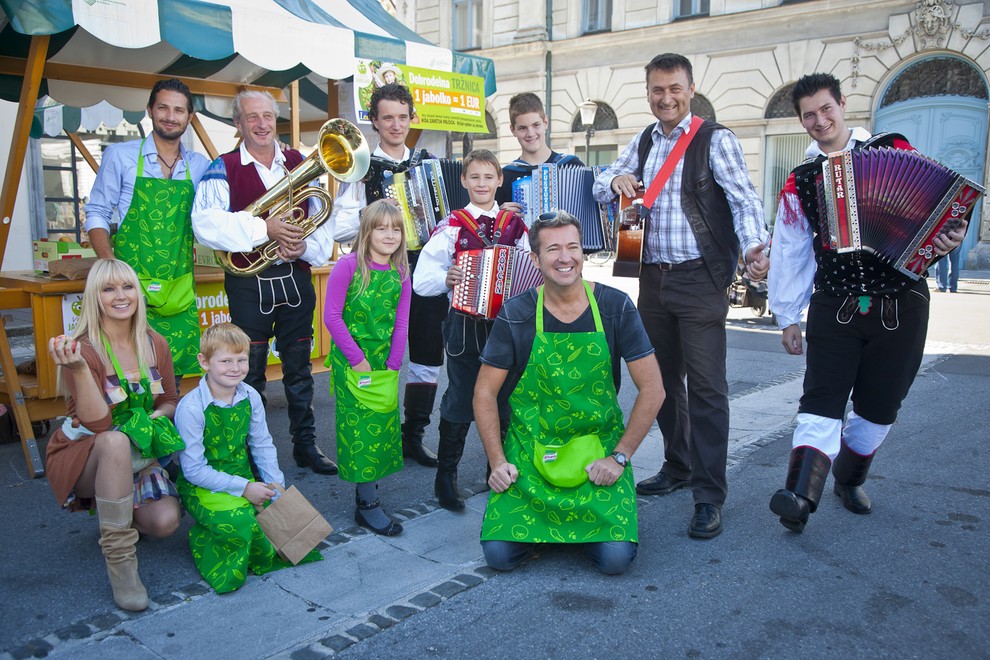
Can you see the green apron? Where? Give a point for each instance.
(369, 444)
(226, 540)
(566, 391)
(131, 410)
(156, 238)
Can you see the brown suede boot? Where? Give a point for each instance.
(117, 539)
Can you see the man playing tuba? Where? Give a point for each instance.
(280, 300)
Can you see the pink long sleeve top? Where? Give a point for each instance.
(337, 285)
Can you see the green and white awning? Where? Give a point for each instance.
(256, 42)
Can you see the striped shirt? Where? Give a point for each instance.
(671, 239)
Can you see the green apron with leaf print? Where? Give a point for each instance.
(369, 444)
(226, 540)
(151, 438)
(156, 239)
(565, 392)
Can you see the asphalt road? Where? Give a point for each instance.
(907, 581)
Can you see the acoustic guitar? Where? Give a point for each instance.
(629, 237)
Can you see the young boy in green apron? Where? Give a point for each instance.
(219, 420)
(562, 474)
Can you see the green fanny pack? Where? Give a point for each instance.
(169, 297)
(564, 464)
(376, 390)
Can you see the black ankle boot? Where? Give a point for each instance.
(449, 454)
(850, 470)
(803, 490)
(297, 380)
(418, 405)
(393, 528)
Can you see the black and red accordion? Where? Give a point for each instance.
(491, 276)
(892, 203)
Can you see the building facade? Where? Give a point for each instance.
(919, 68)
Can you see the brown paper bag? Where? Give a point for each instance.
(71, 269)
(292, 524)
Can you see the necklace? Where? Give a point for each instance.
(166, 163)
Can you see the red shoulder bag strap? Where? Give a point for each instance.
(675, 156)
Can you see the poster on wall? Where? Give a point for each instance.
(444, 101)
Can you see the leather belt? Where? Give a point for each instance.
(684, 265)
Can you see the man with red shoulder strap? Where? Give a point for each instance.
(706, 210)
(866, 325)
(278, 302)
(480, 224)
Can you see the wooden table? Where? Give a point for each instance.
(35, 397)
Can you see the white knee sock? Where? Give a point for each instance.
(863, 436)
(822, 433)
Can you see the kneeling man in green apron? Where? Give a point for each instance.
(563, 474)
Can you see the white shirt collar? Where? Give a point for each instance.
(684, 125)
(477, 211)
(857, 134)
(380, 153)
(247, 158)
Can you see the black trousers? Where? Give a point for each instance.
(426, 317)
(465, 338)
(279, 303)
(874, 356)
(684, 314)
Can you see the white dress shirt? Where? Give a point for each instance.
(216, 226)
(791, 279)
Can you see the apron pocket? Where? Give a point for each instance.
(563, 464)
(169, 297)
(375, 390)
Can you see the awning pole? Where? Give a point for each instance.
(81, 148)
(294, 114)
(30, 85)
(204, 137)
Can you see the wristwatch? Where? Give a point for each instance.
(620, 458)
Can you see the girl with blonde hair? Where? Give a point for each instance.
(367, 314)
(119, 384)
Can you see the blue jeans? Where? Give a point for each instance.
(947, 272)
(611, 557)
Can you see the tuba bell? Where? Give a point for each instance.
(342, 152)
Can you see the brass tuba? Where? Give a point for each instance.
(341, 152)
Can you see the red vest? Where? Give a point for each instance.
(509, 226)
(245, 182)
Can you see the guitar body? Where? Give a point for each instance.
(629, 238)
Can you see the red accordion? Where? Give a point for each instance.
(492, 276)
(893, 203)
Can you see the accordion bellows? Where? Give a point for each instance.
(426, 194)
(551, 188)
(492, 276)
(892, 203)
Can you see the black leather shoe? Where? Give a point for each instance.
(416, 450)
(792, 509)
(854, 498)
(706, 523)
(448, 495)
(310, 456)
(391, 529)
(660, 484)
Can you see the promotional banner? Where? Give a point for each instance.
(444, 101)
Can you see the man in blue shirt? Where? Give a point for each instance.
(139, 211)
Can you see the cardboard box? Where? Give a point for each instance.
(45, 251)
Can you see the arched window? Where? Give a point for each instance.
(702, 107)
(605, 119)
(936, 76)
(780, 105)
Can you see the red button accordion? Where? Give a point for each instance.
(893, 203)
(492, 276)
